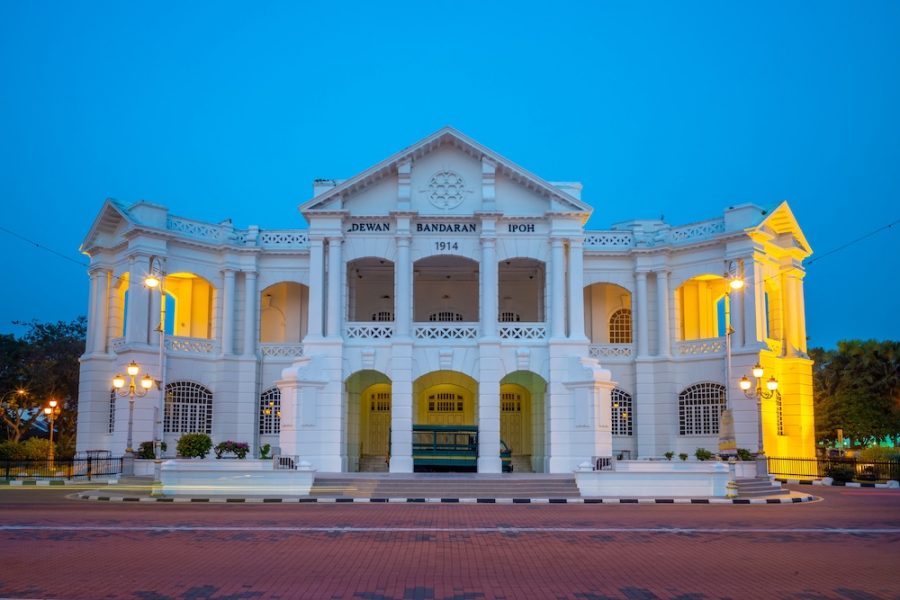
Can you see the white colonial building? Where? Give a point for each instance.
(447, 285)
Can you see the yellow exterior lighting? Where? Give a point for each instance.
(151, 281)
(745, 383)
(47, 410)
(736, 283)
(118, 381)
(758, 371)
(146, 382)
(53, 403)
(133, 368)
(772, 384)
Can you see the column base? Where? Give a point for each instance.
(490, 465)
(401, 464)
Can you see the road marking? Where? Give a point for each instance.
(266, 529)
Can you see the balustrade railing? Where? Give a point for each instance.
(288, 239)
(608, 240)
(522, 331)
(368, 330)
(712, 346)
(277, 351)
(189, 345)
(445, 331)
(611, 351)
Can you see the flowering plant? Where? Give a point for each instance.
(239, 449)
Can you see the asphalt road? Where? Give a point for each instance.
(846, 546)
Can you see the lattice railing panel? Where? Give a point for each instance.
(288, 238)
(117, 344)
(192, 345)
(196, 229)
(697, 231)
(445, 332)
(368, 331)
(287, 351)
(608, 240)
(611, 350)
(705, 346)
(523, 331)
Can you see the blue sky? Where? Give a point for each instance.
(230, 110)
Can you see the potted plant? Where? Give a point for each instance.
(683, 456)
(703, 454)
(145, 450)
(669, 455)
(238, 449)
(264, 451)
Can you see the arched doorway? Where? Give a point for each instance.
(368, 421)
(522, 419)
(445, 429)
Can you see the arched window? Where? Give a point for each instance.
(188, 408)
(699, 408)
(621, 412)
(270, 411)
(620, 327)
(112, 410)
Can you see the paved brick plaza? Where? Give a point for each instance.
(845, 546)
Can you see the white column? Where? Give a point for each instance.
(662, 303)
(316, 285)
(228, 314)
(403, 288)
(136, 327)
(335, 301)
(557, 292)
(640, 315)
(754, 304)
(800, 307)
(96, 333)
(576, 290)
(792, 312)
(250, 313)
(489, 287)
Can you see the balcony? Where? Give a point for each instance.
(522, 331)
(703, 347)
(277, 351)
(368, 330)
(611, 352)
(445, 331)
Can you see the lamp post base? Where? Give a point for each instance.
(128, 464)
(762, 465)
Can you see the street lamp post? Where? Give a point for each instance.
(770, 391)
(119, 384)
(156, 279)
(51, 411)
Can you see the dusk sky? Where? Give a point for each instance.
(230, 110)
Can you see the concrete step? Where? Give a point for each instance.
(759, 486)
(473, 486)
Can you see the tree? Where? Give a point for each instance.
(857, 389)
(43, 363)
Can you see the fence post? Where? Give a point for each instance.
(89, 467)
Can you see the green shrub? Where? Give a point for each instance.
(10, 450)
(703, 454)
(683, 456)
(877, 454)
(669, 455)
(194, 445)
(744, 454)
(36, 448)
(839, 471)
(145, 450)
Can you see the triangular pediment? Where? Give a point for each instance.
(110, 221)
(446, 173)
(781, 227)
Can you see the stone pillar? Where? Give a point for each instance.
(791, 313)
(403, 288)
(335, 298)
(664, 322)
(250, 314)
(401, 408)
(800, 307)
(316, 285)
(228, 314)
(99, 310)
(136, 327)
(557, 292)
(489, 287)
(576, 290)
(489, 408)
(640, 315)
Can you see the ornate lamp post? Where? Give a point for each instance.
(771, 391)
(131, 391)
(51, 411)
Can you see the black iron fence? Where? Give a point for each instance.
(850, 468)
(81, 467)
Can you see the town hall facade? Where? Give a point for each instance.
(446, 285)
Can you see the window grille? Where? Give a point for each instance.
(622, 412)
(445, 316)
(445, 402)
(509, 317)
(383, 316)
(620, 327)
(380, 402)
(112, 410)
(270, 411)
(511, 402)
(699, 408)
(188, 408)
(779, 413)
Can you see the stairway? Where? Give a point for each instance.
(521, 464)
(373, 464)
(759, 486)
(444, 485)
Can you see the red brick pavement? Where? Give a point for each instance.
(626, 563)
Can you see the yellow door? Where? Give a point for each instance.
(376, 440)
(511, 421)
(445, 408)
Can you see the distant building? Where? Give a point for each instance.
(448, 285)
